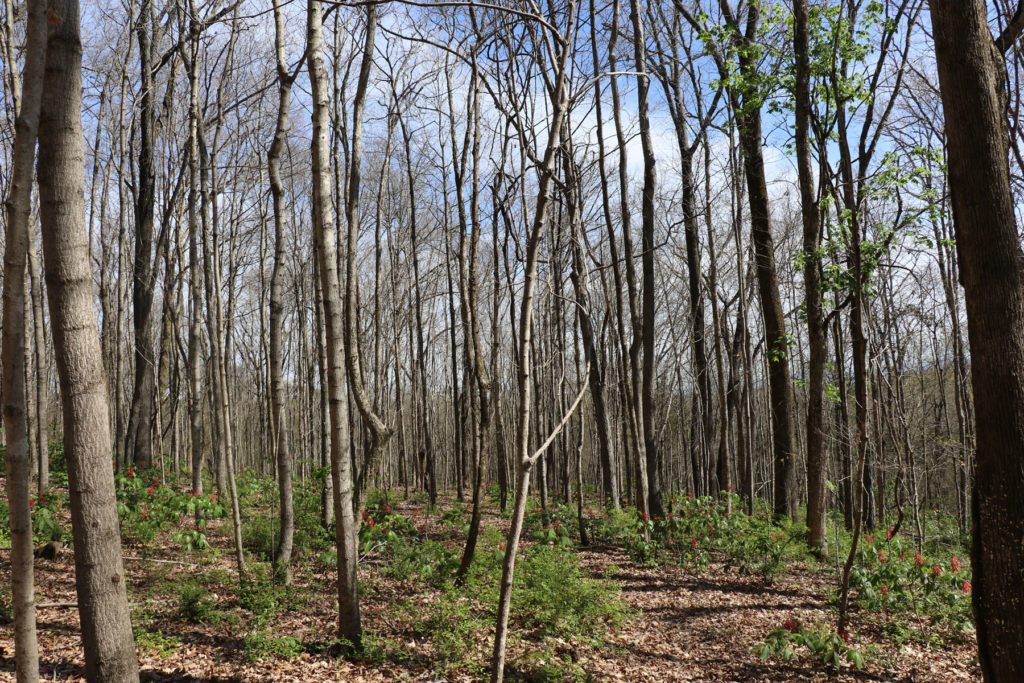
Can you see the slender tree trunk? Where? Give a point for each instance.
(279, 431)
(139, 437)
(326, 245)
(18, 459)
(817, 350)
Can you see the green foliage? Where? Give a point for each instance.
(264, 597)
(554, 526)
(161, 644)
(46, 523)
(196, 605)
(260, 645)
(828, 647)
(383, 526)
(146, 507)
(890, 576)
(553, 596)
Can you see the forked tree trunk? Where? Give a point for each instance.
(283, 553)
(972, 79)
(99, 572)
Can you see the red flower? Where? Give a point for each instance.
(881, 557)
(689, 494)
(156, 480)
(711, 528)
(31, 503)
(869, 540)
(416, 513)
(885, 589)
(730, 488)
(387, 508)
(791, 625)
(918, 560)
(889, 534)
(365, 515)
(213, 497)
(693, 543)
(645, 516)
(845, 635)
(370, 522)
(131, 471)
(782, 534)
(955, 564)
(195, 493)
(937, 570)
(967, 586)
(150, 490)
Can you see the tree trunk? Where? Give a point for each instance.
(283, 553)
(816, 461)
(326, 245)
(99, 573)
(17, 456)
(972, 81)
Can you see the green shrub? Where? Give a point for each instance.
(259, 644)
(196, 605)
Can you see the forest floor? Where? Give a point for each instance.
(677, 623)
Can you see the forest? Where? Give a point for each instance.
(540, 340)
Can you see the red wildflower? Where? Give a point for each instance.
(416, 513)
(131, 471)
(387, 508)
(689, 494)
(693, 543)
(370, 522)
(782, 534)
(918, 560)
(195, 493)
(955, 564)
(365, 515)
(889, 534)
(845, 635)
(645, 516)
(881, 557)
(730, 488)
(791, 625)
(967, 586)
(213, 497)
(156, 480)
(937, 570)
(150, 490)
(31, 503)
(869, 540)
(885, 589)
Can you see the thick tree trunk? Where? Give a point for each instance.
(972, 79)
(99, 572)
